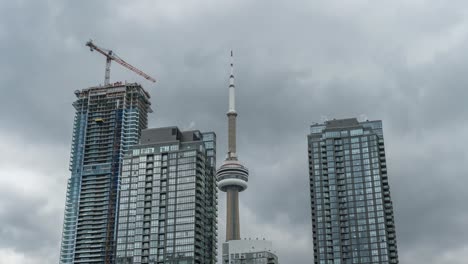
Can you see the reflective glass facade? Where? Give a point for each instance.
(352, 212)
(168, 199)
(108, 121)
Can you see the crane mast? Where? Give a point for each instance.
(111, 56)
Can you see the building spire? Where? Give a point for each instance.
(232, 95)
(232, 114)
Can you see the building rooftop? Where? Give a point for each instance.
(347, 123)
(339, 123)
(168, 134)
(245, 246)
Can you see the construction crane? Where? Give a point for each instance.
(111, 56)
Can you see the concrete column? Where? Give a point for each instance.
(232, 217)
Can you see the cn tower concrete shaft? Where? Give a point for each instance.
(232, 192)
(232, 217)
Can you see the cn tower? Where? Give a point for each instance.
(232, 176)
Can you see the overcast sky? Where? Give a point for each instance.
(297, 62)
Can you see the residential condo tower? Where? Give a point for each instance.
(352, 212)
(168, 199)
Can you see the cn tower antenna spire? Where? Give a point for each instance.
(232, 114)
(232, 95)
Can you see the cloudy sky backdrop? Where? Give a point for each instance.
(297, 62)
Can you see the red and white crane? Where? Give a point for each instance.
(111, 56)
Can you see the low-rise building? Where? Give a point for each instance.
(249, 252)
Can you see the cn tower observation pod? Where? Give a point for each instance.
(232, 174)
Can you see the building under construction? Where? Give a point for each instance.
(108, 121)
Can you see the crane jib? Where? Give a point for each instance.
(110, 55)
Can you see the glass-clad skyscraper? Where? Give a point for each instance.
(352, 212)
(168, 199)
(108, 121)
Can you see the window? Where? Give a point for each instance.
(356, 132)
(355, 151)
(332, 134)
(316, 129)
(164, 149)
(209, 145)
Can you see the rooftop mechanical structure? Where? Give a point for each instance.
(232, 176)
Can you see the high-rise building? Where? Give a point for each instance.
(232, 178)
(108, 121)
(168, 199)
(352, 212)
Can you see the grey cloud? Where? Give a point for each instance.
(28, 226)
(295, 62)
